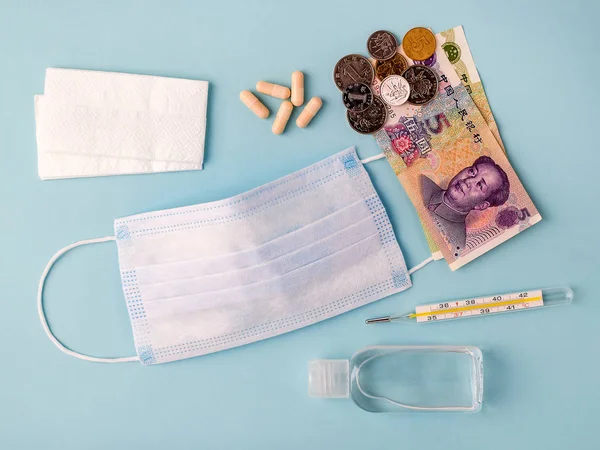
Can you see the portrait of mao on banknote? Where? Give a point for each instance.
(481, 185)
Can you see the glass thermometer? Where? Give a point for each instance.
(481, 306)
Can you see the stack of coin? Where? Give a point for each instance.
(416, 84)
(419, 45)
(353, 75)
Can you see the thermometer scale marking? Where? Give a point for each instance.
(478, 306)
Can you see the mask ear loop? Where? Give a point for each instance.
(421, 265)
(433, 257)
(42, 315)
(373, 158)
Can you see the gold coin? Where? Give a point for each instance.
(419, 44)
(395, 66)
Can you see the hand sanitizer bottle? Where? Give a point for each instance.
(403, 378)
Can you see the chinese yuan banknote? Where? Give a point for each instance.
(467, 195)
(455, 46)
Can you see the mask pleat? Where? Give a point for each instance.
(350, 216)
(266, 270)
(294, 293)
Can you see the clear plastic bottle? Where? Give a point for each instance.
(426, 378)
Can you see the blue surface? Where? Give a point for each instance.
(539, 65)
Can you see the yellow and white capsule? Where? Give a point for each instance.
(255, 105)
(282, 117)
(297, 88)
(274, 90)
(309, 111)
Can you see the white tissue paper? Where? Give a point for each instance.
(91, 123)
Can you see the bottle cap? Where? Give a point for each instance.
(329, 378)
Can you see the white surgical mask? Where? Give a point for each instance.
(213, 276)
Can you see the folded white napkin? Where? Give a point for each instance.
(91, 123)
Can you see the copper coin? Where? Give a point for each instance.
(423, 84)
(353, 69)
(382, 45)
(395, 66)
(419, 44)
(370, 120)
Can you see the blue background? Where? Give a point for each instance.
(538, 61)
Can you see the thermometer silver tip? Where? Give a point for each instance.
(379, 320)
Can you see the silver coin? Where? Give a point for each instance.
(357, 97)
(423, 84)
(353, 69)
(370, 120)
(394, 90)
(382, 45)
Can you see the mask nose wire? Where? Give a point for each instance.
(42, 315)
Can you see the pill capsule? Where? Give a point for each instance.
(274, 90)
(309, 111)
(255, 105)
(297, 88)
(282, 117)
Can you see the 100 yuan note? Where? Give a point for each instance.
(457, 50)
(466, 193)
